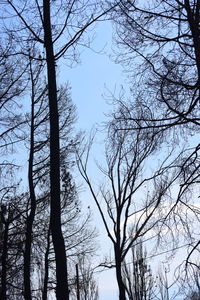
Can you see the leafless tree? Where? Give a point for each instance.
(159, 44)
(137, 274)
(189, 280)
(78, 237)
(44, 26)
(36, 260)
(78, 234)
(85, 287)
(129, 196)
(13, 216)
(13, 82)
(165, 38)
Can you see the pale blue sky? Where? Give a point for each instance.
(92, 76)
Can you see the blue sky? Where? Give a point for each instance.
(92, 76)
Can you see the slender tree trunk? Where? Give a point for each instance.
(46, 268)
(4, 262)
(62, 292)
(31, 216)
(77, 283)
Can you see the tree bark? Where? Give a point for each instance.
(4, 260)
(46, 268)
(120, 282)
(62, 291)
(31, 216)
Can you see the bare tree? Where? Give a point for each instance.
(36, 259)
(13, 216)
(165, 38)
(77, 235)
(37, 24)
(160, 42)
(85, 287)
(126, 196)
(34, 77)
(189, 280)
(13, 82)
(137, 274)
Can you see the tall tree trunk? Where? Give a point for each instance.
(77, 283)
(31, 216)
(120, 282)
(46, 267)
(62, 291)
(4, 261)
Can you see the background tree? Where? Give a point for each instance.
(34, 77)
(137, 274)
(78, 234)
(189, 281)
(13, 216)
(48, 34)
(170, 57)
(78, 237)
(13, 81)
(127, 197)
(160, 42)
(85, 287)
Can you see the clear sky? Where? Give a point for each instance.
(91, 78)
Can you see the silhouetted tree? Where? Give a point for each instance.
(13, 212)
(138, 278)
(85, 287)
(42, 37)
(190, 282)
(123, 200)
(13, 81)
(159, 45)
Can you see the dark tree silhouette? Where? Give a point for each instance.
(36, 26)
(168, 60)
(13, 213)
(119, 200)
(159, 44)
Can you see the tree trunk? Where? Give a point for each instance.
(77, 283)
(62, 292)
(31, 216)
(4, 261)
(120, 282)
(46, 268)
